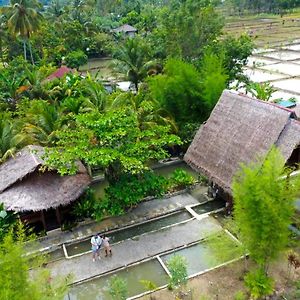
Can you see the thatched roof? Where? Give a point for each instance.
(24, 162)
(25, 188)
(239, 130)
(125, 28)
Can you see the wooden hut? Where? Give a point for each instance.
(40, 198)
(238, 130)
(126, 29)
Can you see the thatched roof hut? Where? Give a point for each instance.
(23, 187)
(238, 130)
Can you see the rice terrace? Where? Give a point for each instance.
(149, 149)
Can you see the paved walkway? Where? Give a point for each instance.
(133, 250)
(144, 211)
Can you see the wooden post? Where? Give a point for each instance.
(43, 219)
(58, 216)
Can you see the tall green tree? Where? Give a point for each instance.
(113, 141)
(24, 20)
(264, 200)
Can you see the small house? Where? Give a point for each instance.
(42, 198)
(126, 30)
(239, 129)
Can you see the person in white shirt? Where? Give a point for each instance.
(96, 242)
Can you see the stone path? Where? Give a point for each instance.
(144, 211)
(134, 250)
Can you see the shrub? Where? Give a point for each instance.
(85, 207)
(177, 266)
(75, 59)
(118, 288)
(181, 179)
(259, 284)
(240, 296)
(130, 190)
(7, 221)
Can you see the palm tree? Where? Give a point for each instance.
(23, 20)
(13, 86)
(133, 60)
(11, 139)
(41, 122)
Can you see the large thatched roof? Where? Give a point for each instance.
(24, 188)
(239, 130)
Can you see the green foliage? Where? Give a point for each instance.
(214, 78)
(7, 221)
(11, 137)
(240, 296)
(133, 60)
(118, 288)
(262, 91)
(149, 285)
(179, 91)
(113, 141)
(189, 27)
(180, 179)
(17, 282)
(130, 190)
(84, 207)
(75, 59)
(177, 266)
(234, 52)
(264, 206)
(259, 284)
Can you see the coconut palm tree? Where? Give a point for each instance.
(133, 60)
(23, 20)
(11, 139)
(41, 122)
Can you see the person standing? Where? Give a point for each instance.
(96, 242)
(106, 245)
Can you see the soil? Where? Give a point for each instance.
(225, 282)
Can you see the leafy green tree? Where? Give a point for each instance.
(234, 53)
(75, 59)
(189, 26)
(113, 141)
(16, 281)
(148, 110)
(263, 207)
(179, 90)
(24, 20)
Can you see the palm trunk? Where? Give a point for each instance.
(24, 49)
(30, 51)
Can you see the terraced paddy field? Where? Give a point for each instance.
(277, 57)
